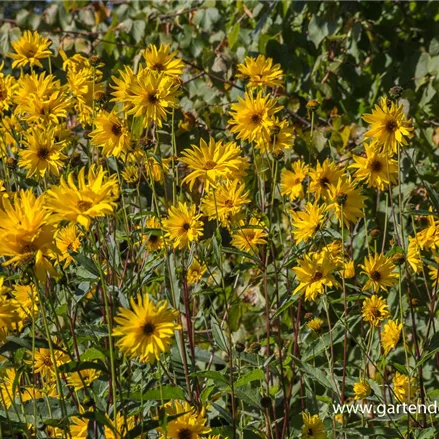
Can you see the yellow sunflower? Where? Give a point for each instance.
(307, 223)
(390, 335)
(190, 425)
(183, 225)
(253, 117)
(374, 310)
(213, 162)
(380, 271)
(291, 181)
(281, 137)
(157, 169)
(43, 154)
(377, 168)
(195, 272)
(260, 72)
(83, 378)
(153, 240)
(248, 238)
(44, 364)
(163, 60)
(322, 177)
(146, 330)
(314, 273)
(346, 201)
(313, 427)
(404, 387)
(315, 324)
(85, 201)
(226, 202)
(389, 125)
(112, 135)
(67, 238)
(29, 49)
(362, 389)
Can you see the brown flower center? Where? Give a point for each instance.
(256, 118)
(317, 276)
(153, 238)
(47, 361)
(324, 181)
(148, 328)
(375, 166)
(159, 67)
(375, 312)
(341, 198)
(375, 275)
(84, 205)
(152, 98)
(184, 433)
(391, 126)
(209, 165)
(229, 203)
(43, 153)
(186, 227)
(116, 130)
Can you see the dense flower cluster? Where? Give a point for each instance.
(167, 247)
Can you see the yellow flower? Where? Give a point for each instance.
(123, 87)
(153, 241)
(83, 202)
(313, 427)
(227, 201)
(156, 169)
(190, 425)
(83, 378)
(25, 233)
(362, 389)
(281, 137)
(428, 238)
(111, 133)
(195, 272)
(43, 153)
(253, 117)
(346, 201)
(26, 299)
(154, 95)
(29, 49)
(390, 335)
(348, 271)
(314, 273)
(247, 238)
(7, 388)
(377, 168)
(130, 174)
(67, 239)
(291, 181)
(315, 324)
(403, 387)
(79, 425)
(374, 310)
(123, 426)
(213, 162)
(8, 84)
(322, 177)
(41, 99)
(43, 362)
(414, 255)
(183, 225)
(309, 222)
(147, 329)
(260, 72)
(380, 271)
(388, 125)
(163, 60)
(9, 315)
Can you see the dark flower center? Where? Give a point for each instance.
(375, 166)
(116, 130)
(152, 98)
(159, 67)
(153, 238)
(47, 361)
(391, 126)
(148, 328)
(229, 203)
(186, 226)
(256, 118)
(324, 181)
(317, 276)
(185, 433)
(209, 165)
(84, 205)
(341, 199)
(43, 153)
(375, 275)
(309, 432)
(375, 312)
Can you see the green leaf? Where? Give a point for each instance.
(87, 263)
(167, 392)
(233, 35)
(219, 336)
(253, 375)
(76, 366)
(211, 375)
(138, 30)
(93, 354)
